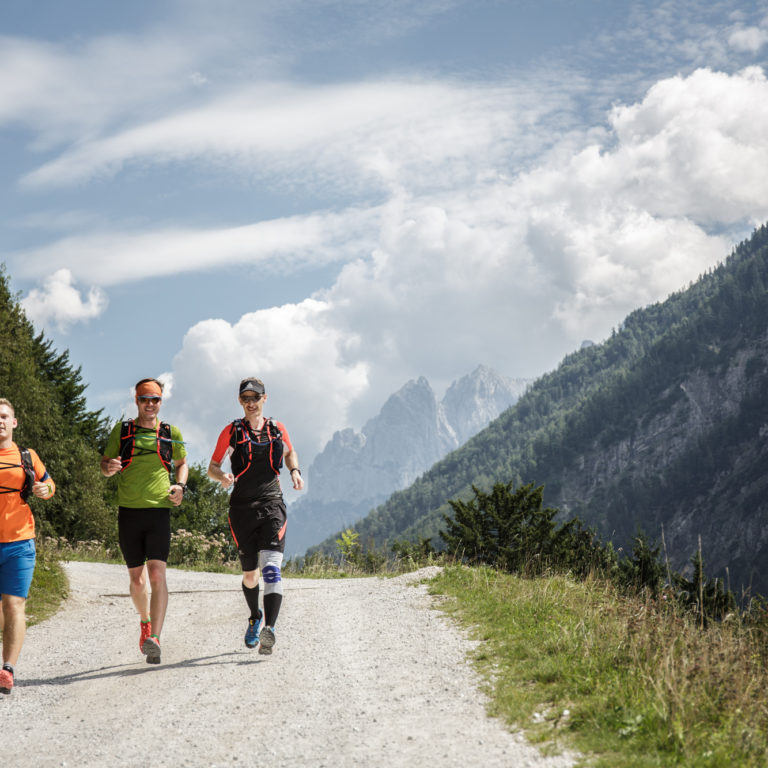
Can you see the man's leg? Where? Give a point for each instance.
(14, 628)
(251, 579)
(158, 603)
(139, 591)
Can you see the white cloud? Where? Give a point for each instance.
(69, 92)
(748, 39)
(342, 135)
(518, 270)
(61, 304)
(119, 256)
(294, 349)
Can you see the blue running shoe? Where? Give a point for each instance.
(267, 641)
(252, 633)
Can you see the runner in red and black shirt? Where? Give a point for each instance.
(257, 448)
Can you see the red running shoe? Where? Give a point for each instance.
(146, 631)
(151, 649)
(6, 681)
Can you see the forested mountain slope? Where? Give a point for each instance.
(664, 424)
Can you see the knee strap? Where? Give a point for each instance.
(270, 562)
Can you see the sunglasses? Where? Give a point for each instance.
(150, 399)
(251, 398)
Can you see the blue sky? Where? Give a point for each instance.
(339, 196)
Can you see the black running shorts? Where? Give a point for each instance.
(144, 534)
(257, 527)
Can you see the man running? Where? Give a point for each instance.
(145, 451)
(21, 473)
(257, 447)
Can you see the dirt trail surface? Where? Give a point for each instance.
(365, 672)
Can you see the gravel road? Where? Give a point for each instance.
(365, 673)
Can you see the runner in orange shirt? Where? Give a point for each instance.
(17, 537)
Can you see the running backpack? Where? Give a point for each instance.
(128, 443)
(246, 445)
(29, 475)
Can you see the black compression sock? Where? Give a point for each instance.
(252, 598)
(272, 605)
(8, 667)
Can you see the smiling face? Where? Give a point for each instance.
(253, 405)
(7, 425)
(149, 406)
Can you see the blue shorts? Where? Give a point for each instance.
(17, 564)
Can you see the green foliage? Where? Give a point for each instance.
(707, 597)
(510, 529)
(48, 397)
(190, 549)
(350, 548)
(205, 506)
(643, 572)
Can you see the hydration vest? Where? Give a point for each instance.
(247, 447)
(29, 475)
(163, 442)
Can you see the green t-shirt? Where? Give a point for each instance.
(144, 482)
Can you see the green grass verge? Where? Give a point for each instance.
(626, 683)
(48, 590)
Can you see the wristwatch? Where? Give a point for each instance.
(182, 486)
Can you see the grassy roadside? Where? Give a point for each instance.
(48, 590)
(625, 682)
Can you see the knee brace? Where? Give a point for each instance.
(270, 562)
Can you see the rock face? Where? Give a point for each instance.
(704, 447)
(356, 471)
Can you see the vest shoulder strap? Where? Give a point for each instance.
(29, 473)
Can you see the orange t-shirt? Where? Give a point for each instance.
(16, 520)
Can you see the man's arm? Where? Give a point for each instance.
(176, 493)
(292, 465)
(216, 473)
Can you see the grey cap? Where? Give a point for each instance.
(252, 385)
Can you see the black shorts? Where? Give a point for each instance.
(257, 527)
(144, 534)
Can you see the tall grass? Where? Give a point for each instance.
(625, 681)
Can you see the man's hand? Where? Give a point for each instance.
(110, 467)
(226, 479)
(42, 490)
(176, 494)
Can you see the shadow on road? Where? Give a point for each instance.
(131, 670)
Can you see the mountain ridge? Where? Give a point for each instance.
(413, 430)
(660, 428)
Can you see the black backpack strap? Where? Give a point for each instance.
(165, 445)
(29, 473)
(127, 441)
(242, 451)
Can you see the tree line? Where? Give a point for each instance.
(48, 395)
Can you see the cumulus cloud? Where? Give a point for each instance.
(298, 353)
(60, 303)
(749, 39)
(519, 271)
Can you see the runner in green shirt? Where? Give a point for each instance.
(144, 451)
